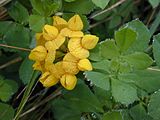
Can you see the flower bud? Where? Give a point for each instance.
(89, 41)
(38, 54)
(68, 81)
(59, 22)
(50, 32)
(84, 65)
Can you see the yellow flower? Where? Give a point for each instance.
(50, 32)
(68, 81)
(69, 64)
(39, 53)
(39, 66)
(40, 40)
(48, 79)
(84, 65)
(50, 58)
(89, 41)
(75, 25)
(59, 22)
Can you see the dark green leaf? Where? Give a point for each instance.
(154, 3)
(26, 70)
(156, 49)
(6, 112)
(125, 38)
(115, 21)
(76, 6)
(154, 106)
(19, 13)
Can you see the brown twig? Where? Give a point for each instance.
(108, 9)
(10, 62)
(14, 47)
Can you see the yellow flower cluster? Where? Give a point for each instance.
(62, 51)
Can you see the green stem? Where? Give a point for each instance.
(26, 95)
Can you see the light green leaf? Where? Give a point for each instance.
(37, 22)
(123, 92)
(154, 106)
(99, 79)
(101, 3)
(154, 3)
(125, 38)
(79, 6)
(156, 49)
(6, 112)
(19, 13)
(69, 0)
(102, 65)
(148, 80)
(108, 49)
(143, 36)
(26, 70)
(7, 89)
(139, 60)
(112, 116)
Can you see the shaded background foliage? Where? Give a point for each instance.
(121, 87)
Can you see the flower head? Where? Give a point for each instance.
(62, 51)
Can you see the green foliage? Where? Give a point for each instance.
(19, 13)
(154, 3)
(156, 49)
(154, 106)
(7, 89)
(112, 116)
(6, 111)
(101, 3)
(26, 71)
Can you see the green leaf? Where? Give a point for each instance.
(112, 116)
(154, 3)
(125, 38)
(156, 49)
(61, 106)
(45, 8)
(139, 60)
(99, 79)
(26, 70)
(7, 89)
(154, 106)
(95, 53)
(79, 97)
(101, 3)
(148, 80)
(103, 65)
(18, 36)
(116, 20)
(6, 112)
(143, 36)
(4, 27)
(69, 0)
(138, 112)
(37, 22)
(19, 13)
(79, 6)
(123, 92)
(108, 49)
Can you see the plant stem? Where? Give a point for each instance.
(26, 95)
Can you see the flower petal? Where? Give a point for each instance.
(59, 40)
(51, 45)
(70, 58)
(50, 32)
(70, 67)
(80, 53)
(84, 65)
(68, 81)
(43, 77)
(76, 34)
(74, 43)
(75, 23)
(38, 54)
(38, 66)
(50, 81)
(59, 22)
(40, 40)
(50, 58)
(89, 41)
